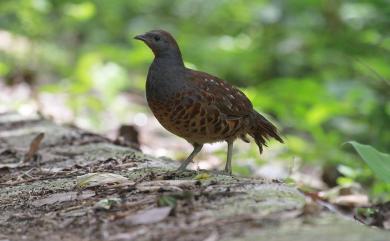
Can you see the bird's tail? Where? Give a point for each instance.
(262, 130)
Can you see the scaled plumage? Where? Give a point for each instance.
(197, 106)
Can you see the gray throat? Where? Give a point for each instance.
(165, 78)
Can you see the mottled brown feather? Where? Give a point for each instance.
(197, 106)
(229, 100)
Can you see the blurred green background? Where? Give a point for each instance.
(320, 69)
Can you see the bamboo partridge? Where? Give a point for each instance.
(197, 106)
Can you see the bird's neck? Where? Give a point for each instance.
(165, 77)
(169, 59)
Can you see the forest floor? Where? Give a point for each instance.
(63, 183)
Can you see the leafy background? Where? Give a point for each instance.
(319, 69)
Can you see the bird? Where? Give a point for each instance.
(197, 106)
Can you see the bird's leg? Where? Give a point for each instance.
(228, 167)
(197, 148)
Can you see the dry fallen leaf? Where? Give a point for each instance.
(99, 179)
(153, 215)
(353, 200)
(165, 185)
(107, 203)
(34, 147)
(12, 165)
(348, 196)
(63, 197)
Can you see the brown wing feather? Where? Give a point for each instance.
(229, 100)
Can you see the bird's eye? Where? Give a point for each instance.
(157, 38)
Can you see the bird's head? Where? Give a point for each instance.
(160, 42)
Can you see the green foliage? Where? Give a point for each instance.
(379, 162)
(167, 200)
(202, 176)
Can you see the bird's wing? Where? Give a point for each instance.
(228, 99)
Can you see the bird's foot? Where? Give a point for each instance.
(182, 168)
(178, 173)
(223, 172)
(227, 172)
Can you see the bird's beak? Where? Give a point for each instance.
(141, 37)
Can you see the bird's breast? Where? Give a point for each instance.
(161, 92)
